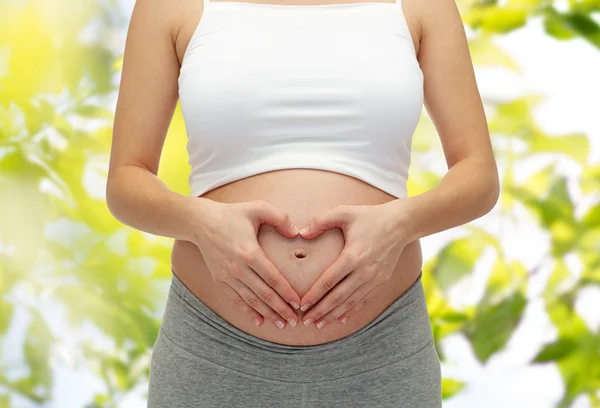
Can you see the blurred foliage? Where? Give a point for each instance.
(62, 252)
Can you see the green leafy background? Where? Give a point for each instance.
(80, 291)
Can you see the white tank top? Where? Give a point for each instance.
(335, 87)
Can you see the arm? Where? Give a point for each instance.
(147, 98)
(470, 188)
(226, 234)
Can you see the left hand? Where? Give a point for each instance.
(374, 242)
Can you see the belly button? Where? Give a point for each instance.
(300, 253)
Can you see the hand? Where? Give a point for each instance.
(227, 238)
(374, 243)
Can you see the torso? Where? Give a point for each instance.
(303, 194)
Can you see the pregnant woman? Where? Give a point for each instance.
(296, 266)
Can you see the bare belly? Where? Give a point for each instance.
(303, 194)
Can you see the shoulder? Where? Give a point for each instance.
(432, 20)
(163, 16)
(434, 15)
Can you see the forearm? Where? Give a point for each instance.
(139, 199)
(467, 191)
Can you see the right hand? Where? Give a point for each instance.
(228, 240)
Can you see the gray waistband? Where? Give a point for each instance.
(400, 331)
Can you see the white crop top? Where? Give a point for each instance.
(335, 87)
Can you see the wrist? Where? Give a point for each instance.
(403, 220)
(194, 213)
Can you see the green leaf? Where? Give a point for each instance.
(101, 399)
(559, 275)
(585, 7)
(590, 179)
(591, 219)
(94, 112)
(504, 280)
(493, 19)
(456, 261)
(451, 387)
(581, 368)
(455, 317)
(576, 22)
(539, 182)
(556, 351)
(556, 28)
(576, 146)
(514, 118)
(493, 326)
(555, 213)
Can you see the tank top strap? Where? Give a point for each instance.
(205, 2)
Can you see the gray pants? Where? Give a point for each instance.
(200, 360)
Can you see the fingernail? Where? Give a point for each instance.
(344, 319)
(295, 230)
(294, 305)
(305, 306)
(292, 322)
(305, 229)
(321, 324)
(256, 321)
(280, 324)
(307, 322)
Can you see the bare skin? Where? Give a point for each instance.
(157, 40)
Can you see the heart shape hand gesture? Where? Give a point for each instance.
(374, 239)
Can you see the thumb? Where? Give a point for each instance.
(267, 213)
(334, 218)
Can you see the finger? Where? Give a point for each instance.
(267, 213)
(269, 273)
(336, 297)
(269, 297)
(257, 318)
(334, 218)
(253, 300)
(337, 271)
(349, 304)
(362, 303)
